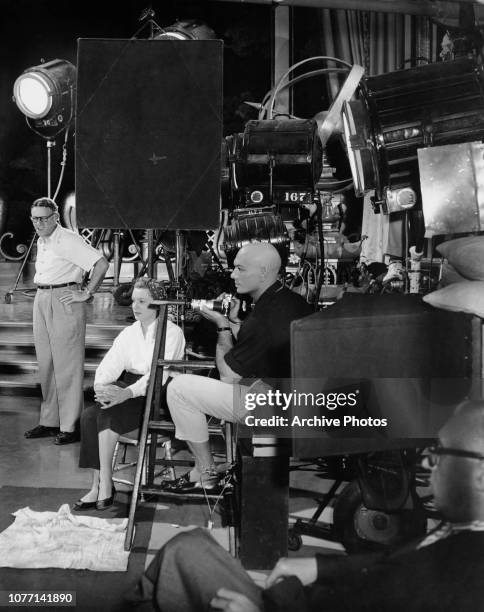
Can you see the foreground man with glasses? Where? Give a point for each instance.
(59, 318)
(441, 572)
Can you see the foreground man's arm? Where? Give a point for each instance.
(230, 601)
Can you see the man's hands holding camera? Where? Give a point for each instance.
(220, 319)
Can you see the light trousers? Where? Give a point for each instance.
(59, 336)
(191, 397)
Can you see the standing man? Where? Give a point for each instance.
(60, 320)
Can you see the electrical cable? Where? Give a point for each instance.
(294, 81)
(63, 165)
(278, 85)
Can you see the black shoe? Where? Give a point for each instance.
(210, 487)
(80, 505)
(181, 481)
(103, 504)
(66, 437)
(41, 432)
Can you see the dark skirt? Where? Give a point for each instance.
(121, 419)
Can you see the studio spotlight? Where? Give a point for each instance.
(45, 94)
(189, 29)
(400, 199)
(277, 155)
(401, 112)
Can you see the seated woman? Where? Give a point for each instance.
(119, 408)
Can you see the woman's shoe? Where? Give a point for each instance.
(210, 486)
(103, 504)
(178, 483)
(80, 505)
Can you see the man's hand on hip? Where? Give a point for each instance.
(69, 297)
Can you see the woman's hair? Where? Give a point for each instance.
(156, 289)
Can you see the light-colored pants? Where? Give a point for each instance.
(191, 397)
(59, 335)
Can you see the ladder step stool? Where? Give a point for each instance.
(155, 424)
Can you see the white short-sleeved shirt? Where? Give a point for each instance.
(62, 257)
(133, 352)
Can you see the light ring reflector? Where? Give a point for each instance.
(32, 94)
(46, 93)
(359, 147)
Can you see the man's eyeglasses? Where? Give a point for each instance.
(39, 220)
(435, 452)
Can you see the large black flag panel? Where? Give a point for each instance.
(148, 133)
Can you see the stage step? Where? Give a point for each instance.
(12, 361)
(27, 384)
(18, 364)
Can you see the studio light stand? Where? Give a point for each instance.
(45, 94)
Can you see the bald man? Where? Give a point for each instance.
(440, 573)
(257, 348)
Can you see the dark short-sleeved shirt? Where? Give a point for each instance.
(262, 349)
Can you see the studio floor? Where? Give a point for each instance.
(39, 465)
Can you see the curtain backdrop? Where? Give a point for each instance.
(380, 42)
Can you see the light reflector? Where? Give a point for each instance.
(32, 95)
(359, 147)
(46, 93)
